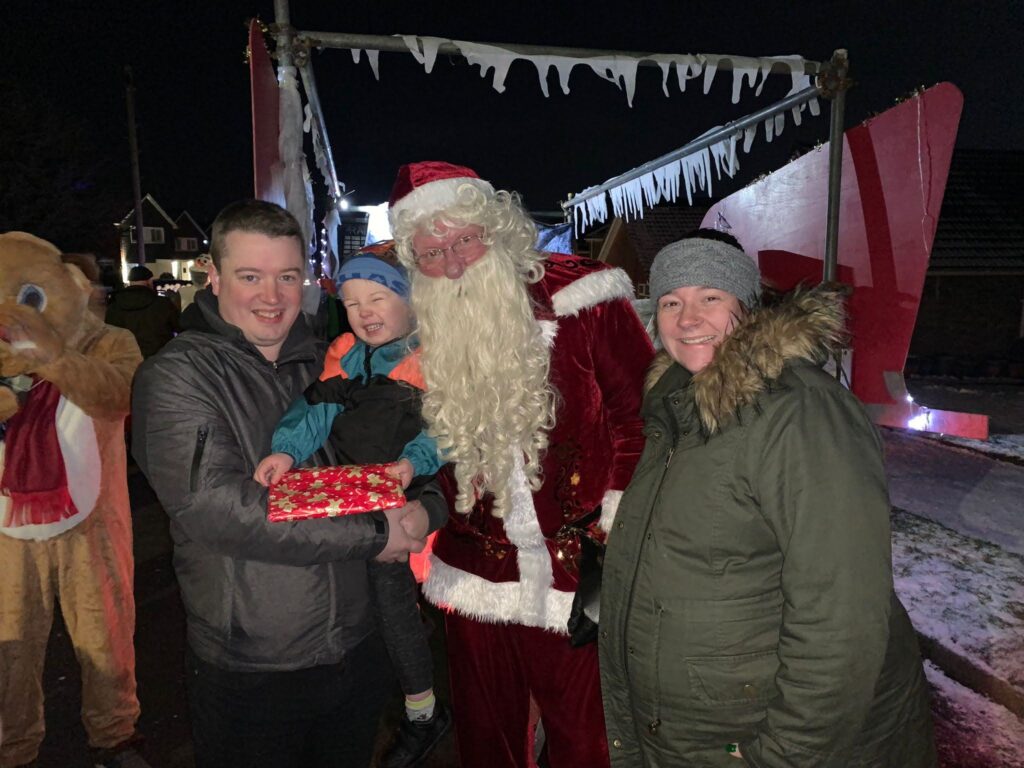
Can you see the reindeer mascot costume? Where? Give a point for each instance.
(65, 522)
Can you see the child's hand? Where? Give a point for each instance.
(271, 469)
(401, 470)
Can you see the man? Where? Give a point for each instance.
(284, 666)
(533, 365)
(152, 318)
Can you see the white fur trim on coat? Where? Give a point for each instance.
(532, 555)
(531, 601)
(591, 290)
(548, 331)
(493, 602)
(435, 197)
(609, 508)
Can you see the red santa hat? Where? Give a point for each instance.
(431, 186)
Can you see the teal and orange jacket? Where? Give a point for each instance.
(367, 402)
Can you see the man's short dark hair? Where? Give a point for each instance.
(257, 216)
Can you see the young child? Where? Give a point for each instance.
(367, 402)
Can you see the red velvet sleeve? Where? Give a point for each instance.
(622, 351)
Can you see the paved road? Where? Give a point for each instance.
(974, 494)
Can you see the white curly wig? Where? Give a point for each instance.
(484, 359)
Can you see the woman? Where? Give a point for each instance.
(747, 608)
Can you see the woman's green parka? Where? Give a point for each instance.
(747, 594)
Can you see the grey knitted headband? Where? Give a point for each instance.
(711, 263)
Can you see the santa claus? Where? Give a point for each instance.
(533, 365)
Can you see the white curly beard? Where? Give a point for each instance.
(486, 369)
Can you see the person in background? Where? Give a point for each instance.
(152, 318)
(367, 401)
(284, 663)
(533, 365)
(747, 603)
(166, 285)
(200, 277)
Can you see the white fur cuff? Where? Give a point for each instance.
(609, 507)
(591, 290)
(494, 602)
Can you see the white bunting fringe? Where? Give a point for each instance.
(629, 198)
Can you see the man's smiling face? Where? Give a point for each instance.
(259, 287)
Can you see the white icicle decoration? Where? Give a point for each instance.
(429, 53)
(620, 70)
(488, 57)
(373, 57)
(690, 174)
(628, 199)
(739, 75)
(563, 64)
(617, 68)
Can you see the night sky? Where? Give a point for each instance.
(193, 90)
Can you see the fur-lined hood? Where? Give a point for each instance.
(807, 324)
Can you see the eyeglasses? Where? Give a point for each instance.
(460, 249)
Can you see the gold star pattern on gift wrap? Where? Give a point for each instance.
(333, 491)
(285, 505)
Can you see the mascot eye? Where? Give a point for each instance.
(32, 296)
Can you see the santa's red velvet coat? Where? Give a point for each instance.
(523, 569)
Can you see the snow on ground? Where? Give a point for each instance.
(970, 730)
(966, 595)
(973, 494)
(1003, 446)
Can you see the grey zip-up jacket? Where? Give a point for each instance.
(258, 596)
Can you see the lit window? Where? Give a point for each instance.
(151, 235)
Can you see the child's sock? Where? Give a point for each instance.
(421, 710)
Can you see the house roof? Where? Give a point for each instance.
(981, 225)
(659, 226)
(148, 199)
(188, 216)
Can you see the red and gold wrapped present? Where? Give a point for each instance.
(304, 494)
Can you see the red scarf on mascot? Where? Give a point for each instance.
(34, 475)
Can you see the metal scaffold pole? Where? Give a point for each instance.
(834, 82)
(133, 146)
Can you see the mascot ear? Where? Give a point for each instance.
(78, 276)
(30, 241)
